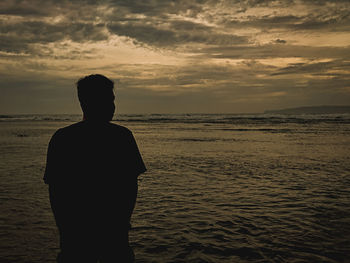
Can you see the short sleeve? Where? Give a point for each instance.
(135, 161)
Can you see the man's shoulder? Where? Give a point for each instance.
(119, 128)
(80, 128)
(67, 130)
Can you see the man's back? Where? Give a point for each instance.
(92, 170)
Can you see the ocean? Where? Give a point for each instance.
(219, 188)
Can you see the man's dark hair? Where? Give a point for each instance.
(95, 93)
(92, 87)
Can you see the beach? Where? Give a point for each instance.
(219, 188)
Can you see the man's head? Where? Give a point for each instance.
(96, 97)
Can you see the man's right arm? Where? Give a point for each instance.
(51, 168)
(133, 189)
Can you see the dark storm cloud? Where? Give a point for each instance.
(22, 11)
(313, 15)
(156, 27)
(26, 8)
(262, 22)
(280, 41)
(156, 7)
(159, 29)
(150, 8)
(78, 24)
(275, 51)
(324, 2)
(335, 22)
(330, 22)
(178, 32)
(16, 37)
(144, 33)
(318, 68)
(25, 23)
(285, 3)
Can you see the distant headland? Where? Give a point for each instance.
(327, 109)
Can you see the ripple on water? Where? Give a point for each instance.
(211, 194)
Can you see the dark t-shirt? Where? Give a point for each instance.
(92, 152)
(92, 170)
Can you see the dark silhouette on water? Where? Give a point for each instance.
(92, 169)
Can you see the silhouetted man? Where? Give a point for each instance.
(92, 169)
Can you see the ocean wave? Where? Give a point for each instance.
(193, 118)
(236, 119)
(40, 117)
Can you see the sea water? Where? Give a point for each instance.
(219, 188)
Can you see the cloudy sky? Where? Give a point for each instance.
(179, 56)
